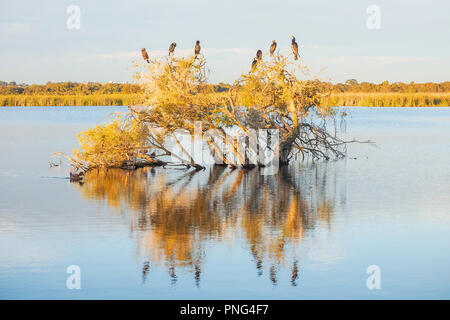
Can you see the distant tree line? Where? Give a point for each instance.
(96, 88)
(68, 88)
(353, 85)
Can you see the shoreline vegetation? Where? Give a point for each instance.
(351, 93)
(115, 99)
(389, 99)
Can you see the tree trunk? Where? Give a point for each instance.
(287, 142)
(286, 147)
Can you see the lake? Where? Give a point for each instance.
(309, 232)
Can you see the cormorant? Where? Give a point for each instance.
(145, 55)
(172, 48)
(76, 176)
(273, 46)
(294, 47)
(259, 54)
(254, 63)
(197, 48)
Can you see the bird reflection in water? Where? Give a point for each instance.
(175, 213)
(145, 270)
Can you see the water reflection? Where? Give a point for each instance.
(176, 214)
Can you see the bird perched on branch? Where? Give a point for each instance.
(197, 48)
(145, 55)
(259, 55)
(254, 63)
(172, 48)
(273, 46)
(294, 47)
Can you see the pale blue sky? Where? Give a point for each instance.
(412, 44)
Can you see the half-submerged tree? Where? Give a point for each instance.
(268, 104)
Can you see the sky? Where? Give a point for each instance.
(339, 40)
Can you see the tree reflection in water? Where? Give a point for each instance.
(175, 214)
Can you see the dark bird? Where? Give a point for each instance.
(145, 55)
(294, 47)
(172, 48)
(197, 48)
(254, 63)
(273, 46)
(259, 54)
(76, 177)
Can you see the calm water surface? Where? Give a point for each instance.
(310, 231)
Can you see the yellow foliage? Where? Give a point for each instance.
(273, 85)
(111, 144)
